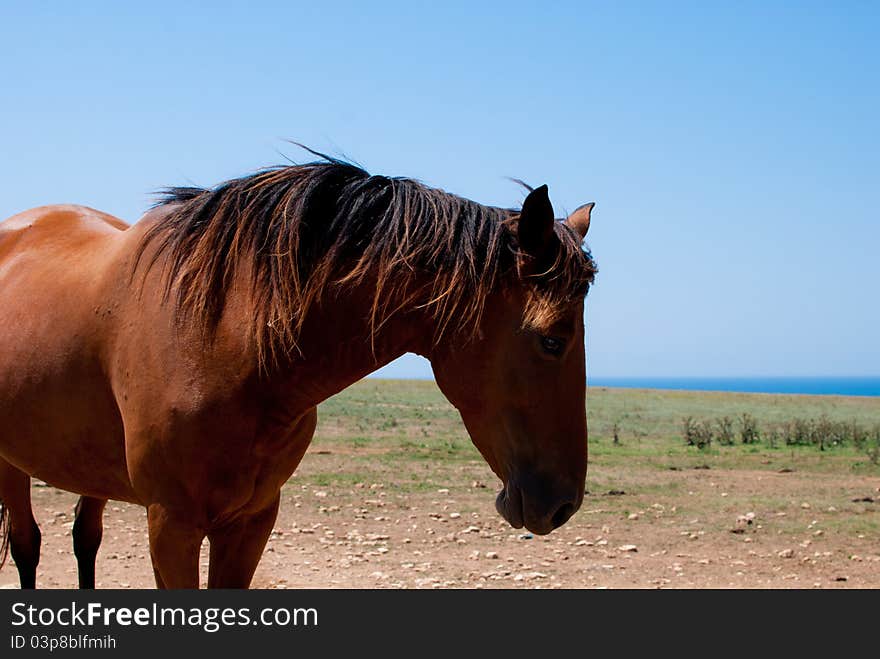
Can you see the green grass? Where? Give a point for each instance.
(383, 425)
(660, 413)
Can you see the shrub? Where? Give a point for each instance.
(823, 433)
(749, 431)
(697, 434)
(690, 431)
(726, 435)
(871, 447)
(798, 432)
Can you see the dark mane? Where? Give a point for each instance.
(302, 229)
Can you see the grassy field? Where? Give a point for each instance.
(410, 423)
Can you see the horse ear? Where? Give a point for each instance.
(534, 230)
(579, 220)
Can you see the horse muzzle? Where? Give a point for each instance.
(535, 510)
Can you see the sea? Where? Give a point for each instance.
(830, 386)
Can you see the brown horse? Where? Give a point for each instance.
(178, 363)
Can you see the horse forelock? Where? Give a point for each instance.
(302, 229)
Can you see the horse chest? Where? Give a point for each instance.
(278, 447)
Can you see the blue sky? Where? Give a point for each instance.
(733, 150)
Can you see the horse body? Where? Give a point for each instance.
(106, 393)
(58, 417)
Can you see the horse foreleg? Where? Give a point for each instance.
(174, 549)
(236, 548)
(88, 528)
(24, 534)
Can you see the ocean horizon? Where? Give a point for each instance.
(810, 385)
(816, 386)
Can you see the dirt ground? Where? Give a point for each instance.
(681, 528)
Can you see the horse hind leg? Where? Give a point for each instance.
(18, 527)
(88, 528)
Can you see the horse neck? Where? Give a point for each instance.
(337, 346)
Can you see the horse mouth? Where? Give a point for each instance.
(510, 506)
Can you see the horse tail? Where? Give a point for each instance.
(4, 534)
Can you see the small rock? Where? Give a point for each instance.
(786, 553)
(631, 548)
(533, 575)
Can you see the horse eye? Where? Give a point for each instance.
(552, 345)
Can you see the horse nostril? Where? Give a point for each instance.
(561, 516)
